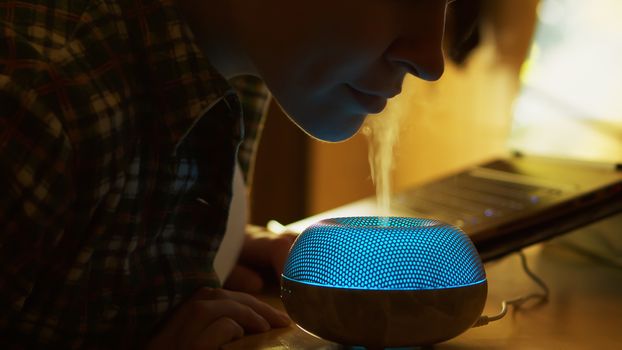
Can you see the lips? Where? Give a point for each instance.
(372, 104)
(389, 91)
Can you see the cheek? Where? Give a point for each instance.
(344, 59)
(317, 49)
(336, 56)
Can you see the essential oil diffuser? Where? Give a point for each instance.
(383, 281)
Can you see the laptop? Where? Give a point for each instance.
(564, 164)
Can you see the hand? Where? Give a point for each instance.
(263, 251)
(214, 317)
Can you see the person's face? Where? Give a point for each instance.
(330, 63)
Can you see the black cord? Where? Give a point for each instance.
(518, 302)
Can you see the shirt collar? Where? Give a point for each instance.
(181, 80)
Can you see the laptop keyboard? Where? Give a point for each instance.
(466, 200)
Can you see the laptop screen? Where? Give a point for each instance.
(570, 104)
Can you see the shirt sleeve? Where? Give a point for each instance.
(36, 190)
(255, 99)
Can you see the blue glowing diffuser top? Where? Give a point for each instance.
(384, 253)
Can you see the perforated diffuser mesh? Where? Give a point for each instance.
(389, 253)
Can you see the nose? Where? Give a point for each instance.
(419, 48)
(425, 63)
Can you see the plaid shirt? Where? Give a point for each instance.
(117, 148)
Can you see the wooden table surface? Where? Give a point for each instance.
(584, 310)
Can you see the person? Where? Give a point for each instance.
(121, 123)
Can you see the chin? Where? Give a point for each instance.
(324, 120)
(335, 136)
(333, 131)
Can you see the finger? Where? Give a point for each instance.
(203, 313)
(184, 312)
(244, 280)
(220, 332)
(274, 317)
